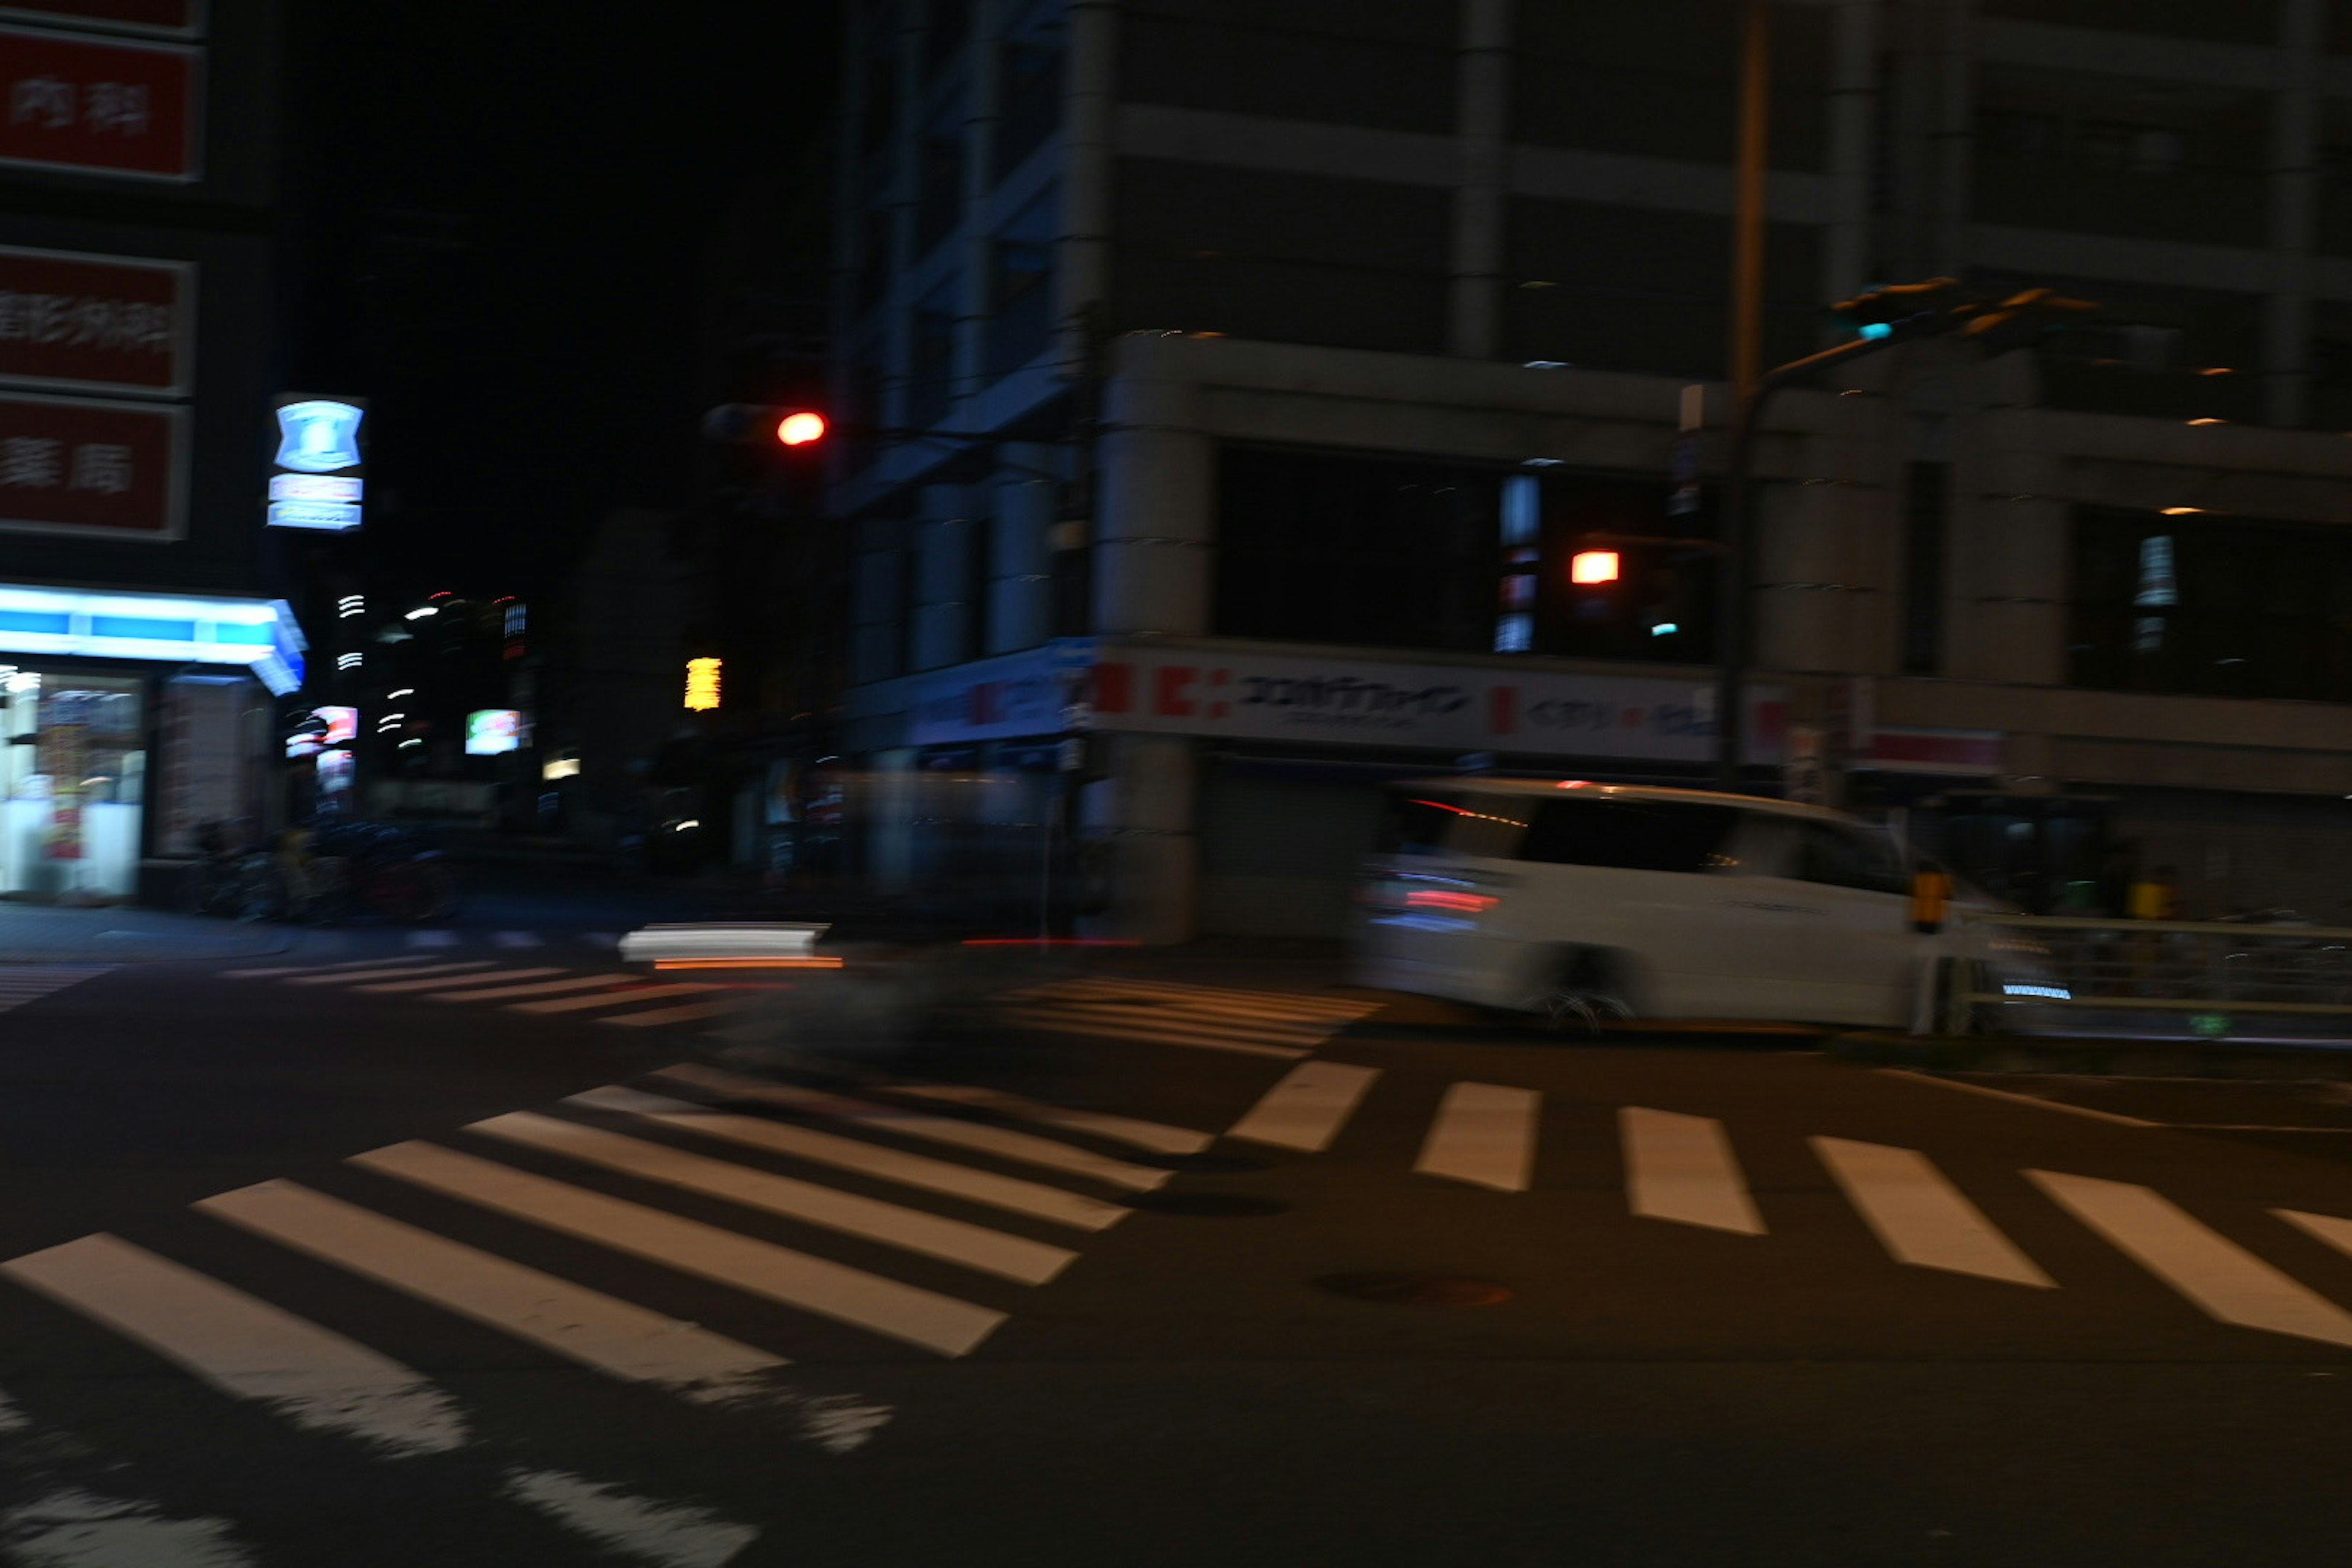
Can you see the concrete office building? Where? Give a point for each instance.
(1275, 356)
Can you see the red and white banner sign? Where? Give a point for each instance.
(179, 18)
(1327, 701)
(80, 465)
(95, 322)
(97, 105)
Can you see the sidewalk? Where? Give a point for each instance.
(45, 933)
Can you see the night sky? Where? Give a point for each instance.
(499, 217)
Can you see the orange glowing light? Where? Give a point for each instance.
(1592, 566)
(800, 429)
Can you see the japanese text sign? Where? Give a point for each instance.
(93, 322)
(77, 465)
(97, 105)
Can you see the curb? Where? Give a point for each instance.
(2100, 1058)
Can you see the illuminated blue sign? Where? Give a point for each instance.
(331, 515)
(319, 436)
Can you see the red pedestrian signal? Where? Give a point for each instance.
(800, 429)
(1590, 568)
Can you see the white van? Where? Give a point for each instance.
(1601, 898)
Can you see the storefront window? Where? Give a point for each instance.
(74, 765)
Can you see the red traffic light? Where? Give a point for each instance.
(799, 428)
(1592, 567)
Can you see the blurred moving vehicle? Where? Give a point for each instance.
(1606, 901)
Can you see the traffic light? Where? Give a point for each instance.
(763, 424)
(2024, 318)
(1907, 309)
(1591, 568)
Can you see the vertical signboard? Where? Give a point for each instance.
(99, 106)
(107, 469)
(318, 479)
(95, 323)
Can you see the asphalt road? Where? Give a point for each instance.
(1194, 1264)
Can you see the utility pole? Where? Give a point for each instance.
(1747, 231)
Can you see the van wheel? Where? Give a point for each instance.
(1583, 989)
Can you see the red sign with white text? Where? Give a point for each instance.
(77, 465)
(147, 15)
(106, 107)
(93, 321)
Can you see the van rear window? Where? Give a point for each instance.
(1632, 835)
(1423, 822)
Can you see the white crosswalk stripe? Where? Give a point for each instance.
(1152, 1135)
(611, 998)
(535, 988)
(869, 1301)
(23, 983)
(1682, 1168)
(579, 1324)
(1919, 1217)
(2224, 1279)
(445, 982)
(244, 1346)
(972, 1246)
(1278, 1025)
(1485, 1133)
(1308, 1108)
(359, 977)
(1013, 1194)
(1024, 1147)
(280, 970)
(691, 1012)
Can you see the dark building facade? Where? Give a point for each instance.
(138, 335)
(1265, 363)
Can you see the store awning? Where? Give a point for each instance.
(259, 634)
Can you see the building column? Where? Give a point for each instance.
(2009, 586)
(1139, 829)
(1090, 134)
(943, 608)
(2295, 195)
(1155, 488)
(1020, 566)
(1481, 146)
(890, 821)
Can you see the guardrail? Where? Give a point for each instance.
(2207, 973)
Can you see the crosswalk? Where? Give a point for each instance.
(23, 983)
(615, 996)
(1283, 1026)
(1280, 1025)
(1685, 1169)
(1030, 1184)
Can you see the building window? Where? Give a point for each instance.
(930, 360)
(2210, 606)
(1020, 288)
(1029, 101)
(939, 198)
(1360, 550)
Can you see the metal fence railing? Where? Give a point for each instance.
(2026, 974)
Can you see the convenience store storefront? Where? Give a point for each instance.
(128, 719)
